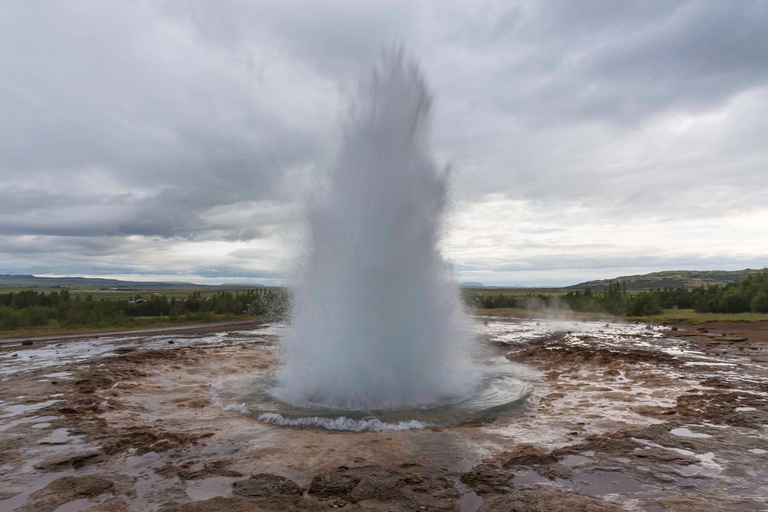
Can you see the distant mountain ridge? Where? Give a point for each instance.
(31, 281)
(670, 278)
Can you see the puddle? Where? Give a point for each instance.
(211, 487)
(606, 482)
(575, 460)
(18, 409)
(59, 436)
(470, 502)
(529, 477)
(684, 432)
(77, 505)
(58, 375)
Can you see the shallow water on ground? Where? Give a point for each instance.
(638, 423)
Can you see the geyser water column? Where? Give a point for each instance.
(377, 322)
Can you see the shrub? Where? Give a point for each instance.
(759, 302)
(644, 304)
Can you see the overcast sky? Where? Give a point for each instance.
(588, 139)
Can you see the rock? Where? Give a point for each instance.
(66, 489)
(387, 488)
(27, 343)
(338, 482)
(265, 484)
(274, 492)
(382, 487)
(113, 505)
(665, 455)
(217, 504)
(526, 455)
(212, 468)
(487, 479)
(682, 504)
(74, 459)
(547, 501)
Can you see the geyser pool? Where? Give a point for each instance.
(378, 336)
(499, 392)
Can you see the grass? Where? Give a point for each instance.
(555, 314)
(689, 316)
(669, 316)
(55, 329)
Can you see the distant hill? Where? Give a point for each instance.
(472, 284)
(670, 278)
(30, 281)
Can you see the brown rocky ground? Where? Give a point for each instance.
(620, 418)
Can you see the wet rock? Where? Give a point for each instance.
(339, 482)
(147, 439)
(113, 505)
(66, 489)
(371, 486)
(274, 492)
(682, 504)
(27, 343)
(91, 384)
(665, 455)
(381, 486)
(526, 455)
(488, 479)
(265, 484)
(217, 504)
(556, 470)
(71, 459)
(547, 501)
(210, 469)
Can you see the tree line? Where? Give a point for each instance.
(749, 294)
(30, 308)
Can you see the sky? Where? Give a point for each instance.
(176, 140)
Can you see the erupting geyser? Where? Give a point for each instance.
(377, 322)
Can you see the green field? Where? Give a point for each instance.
(689, 316)
(669, 316)
(55, 328)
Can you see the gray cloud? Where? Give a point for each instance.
(176, 138)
